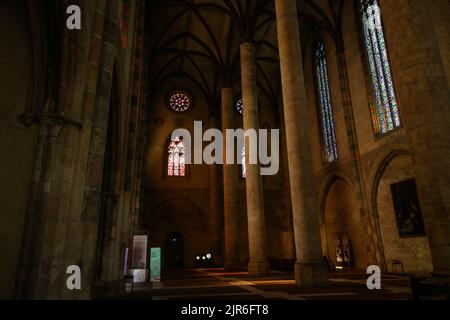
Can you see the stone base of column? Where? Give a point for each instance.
(231, 264)
(311, 274)
(258, 268)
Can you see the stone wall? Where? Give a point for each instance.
(176, 203)
(414, 252)
(18, 143)
(190, 196)
(342, 218)
(372, 152)
(51, 216)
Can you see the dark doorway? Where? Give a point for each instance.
(174, 255)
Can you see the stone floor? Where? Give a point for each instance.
(217, 284)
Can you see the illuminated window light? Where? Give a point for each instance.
(180, 102)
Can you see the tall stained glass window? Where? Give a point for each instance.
(326, 110)
(385, 115)
(176, 161)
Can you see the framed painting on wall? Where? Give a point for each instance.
(407, 209)
(139, 257)
(343, 250)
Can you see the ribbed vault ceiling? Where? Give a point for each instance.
(198, 41)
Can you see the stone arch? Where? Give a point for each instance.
(342, 220)
(325, 189)
(414, 253)
(381, 167)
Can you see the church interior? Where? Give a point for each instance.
(91, 175)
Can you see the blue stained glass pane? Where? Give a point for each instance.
(326, 112)
(387, 115)
(381, 124)
(388, 77)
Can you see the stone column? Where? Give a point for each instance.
(230, 176)
(216, 225)
(424, 97)
(258, 263)
(310, 268)
(372, 236)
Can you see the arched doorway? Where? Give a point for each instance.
(174, 251)
(344, 235)
(413, 250)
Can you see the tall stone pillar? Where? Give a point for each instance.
(230, 176)
(258, 263)
(216, 225)
(424, 96)
(310, 268)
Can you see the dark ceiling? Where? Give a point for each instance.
(198, 41)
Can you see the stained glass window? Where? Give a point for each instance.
(385, 115)
(326, 110)
(240, 106)
(180, 101)
(176, 162)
